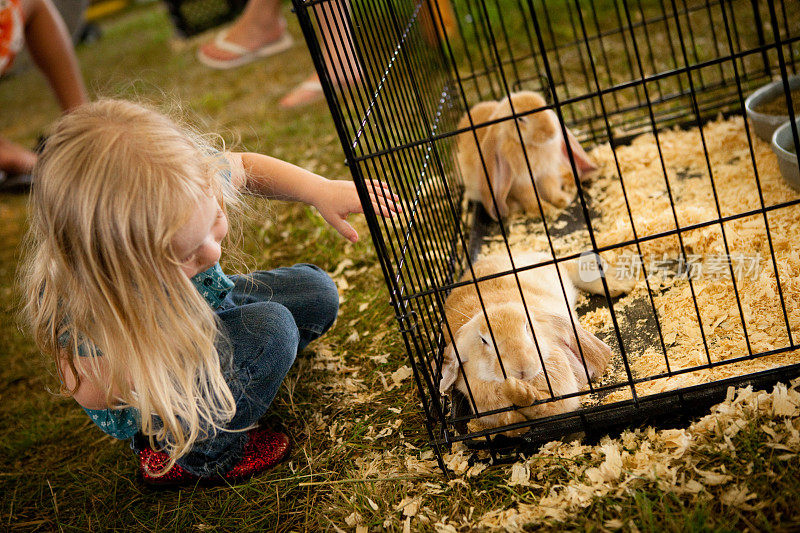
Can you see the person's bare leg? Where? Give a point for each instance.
(51, 49)
(340, 57)
(14, 159)
(259, 24)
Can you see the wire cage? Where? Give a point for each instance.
(667, 205)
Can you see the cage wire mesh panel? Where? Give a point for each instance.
(656, 266)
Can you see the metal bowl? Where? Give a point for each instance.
(763, 124)
(782, 142)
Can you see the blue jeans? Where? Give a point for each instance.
(266, 319)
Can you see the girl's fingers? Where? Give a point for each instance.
(345, 229)
(382, 206)
(385, 200)
(385, 205)
(375, 185)
(385, 194)
(383, 210)
(384, 197)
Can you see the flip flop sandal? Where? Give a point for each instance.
(244, 56)
(312, 86)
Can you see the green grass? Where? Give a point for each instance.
(58, 472)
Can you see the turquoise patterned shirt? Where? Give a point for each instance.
(123, 424)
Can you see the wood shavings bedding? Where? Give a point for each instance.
(675, 461)
(694, 201)
(669, 459)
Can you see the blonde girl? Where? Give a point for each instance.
(125, 292)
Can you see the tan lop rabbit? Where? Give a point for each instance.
(565, 371)
(504, 157)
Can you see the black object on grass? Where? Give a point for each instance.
(191, 17)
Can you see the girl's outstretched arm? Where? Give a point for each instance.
(334, 199)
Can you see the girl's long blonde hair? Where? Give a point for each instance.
(114, 182)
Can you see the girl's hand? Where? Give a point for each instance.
(337, 199)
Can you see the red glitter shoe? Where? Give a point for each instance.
(152, 461)
(264, 449)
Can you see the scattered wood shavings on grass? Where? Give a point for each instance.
(458, 458)
(668, 459)
(353, 519)
(400, 375)
(738, 496)
(409, 506)
(520, 474)
(694, 464)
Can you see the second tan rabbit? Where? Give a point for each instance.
(551, 366)
(505, 185)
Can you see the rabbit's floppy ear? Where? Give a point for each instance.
(450, 368)
(583, 163)
(499, 175)
(502, 182)
(596, 353)
(501, 147)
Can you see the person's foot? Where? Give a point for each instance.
(152, 462)
(308, 92)
(245, 42)
(14, 159)
(264, 449)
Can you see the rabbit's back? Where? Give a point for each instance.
(541, 288)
